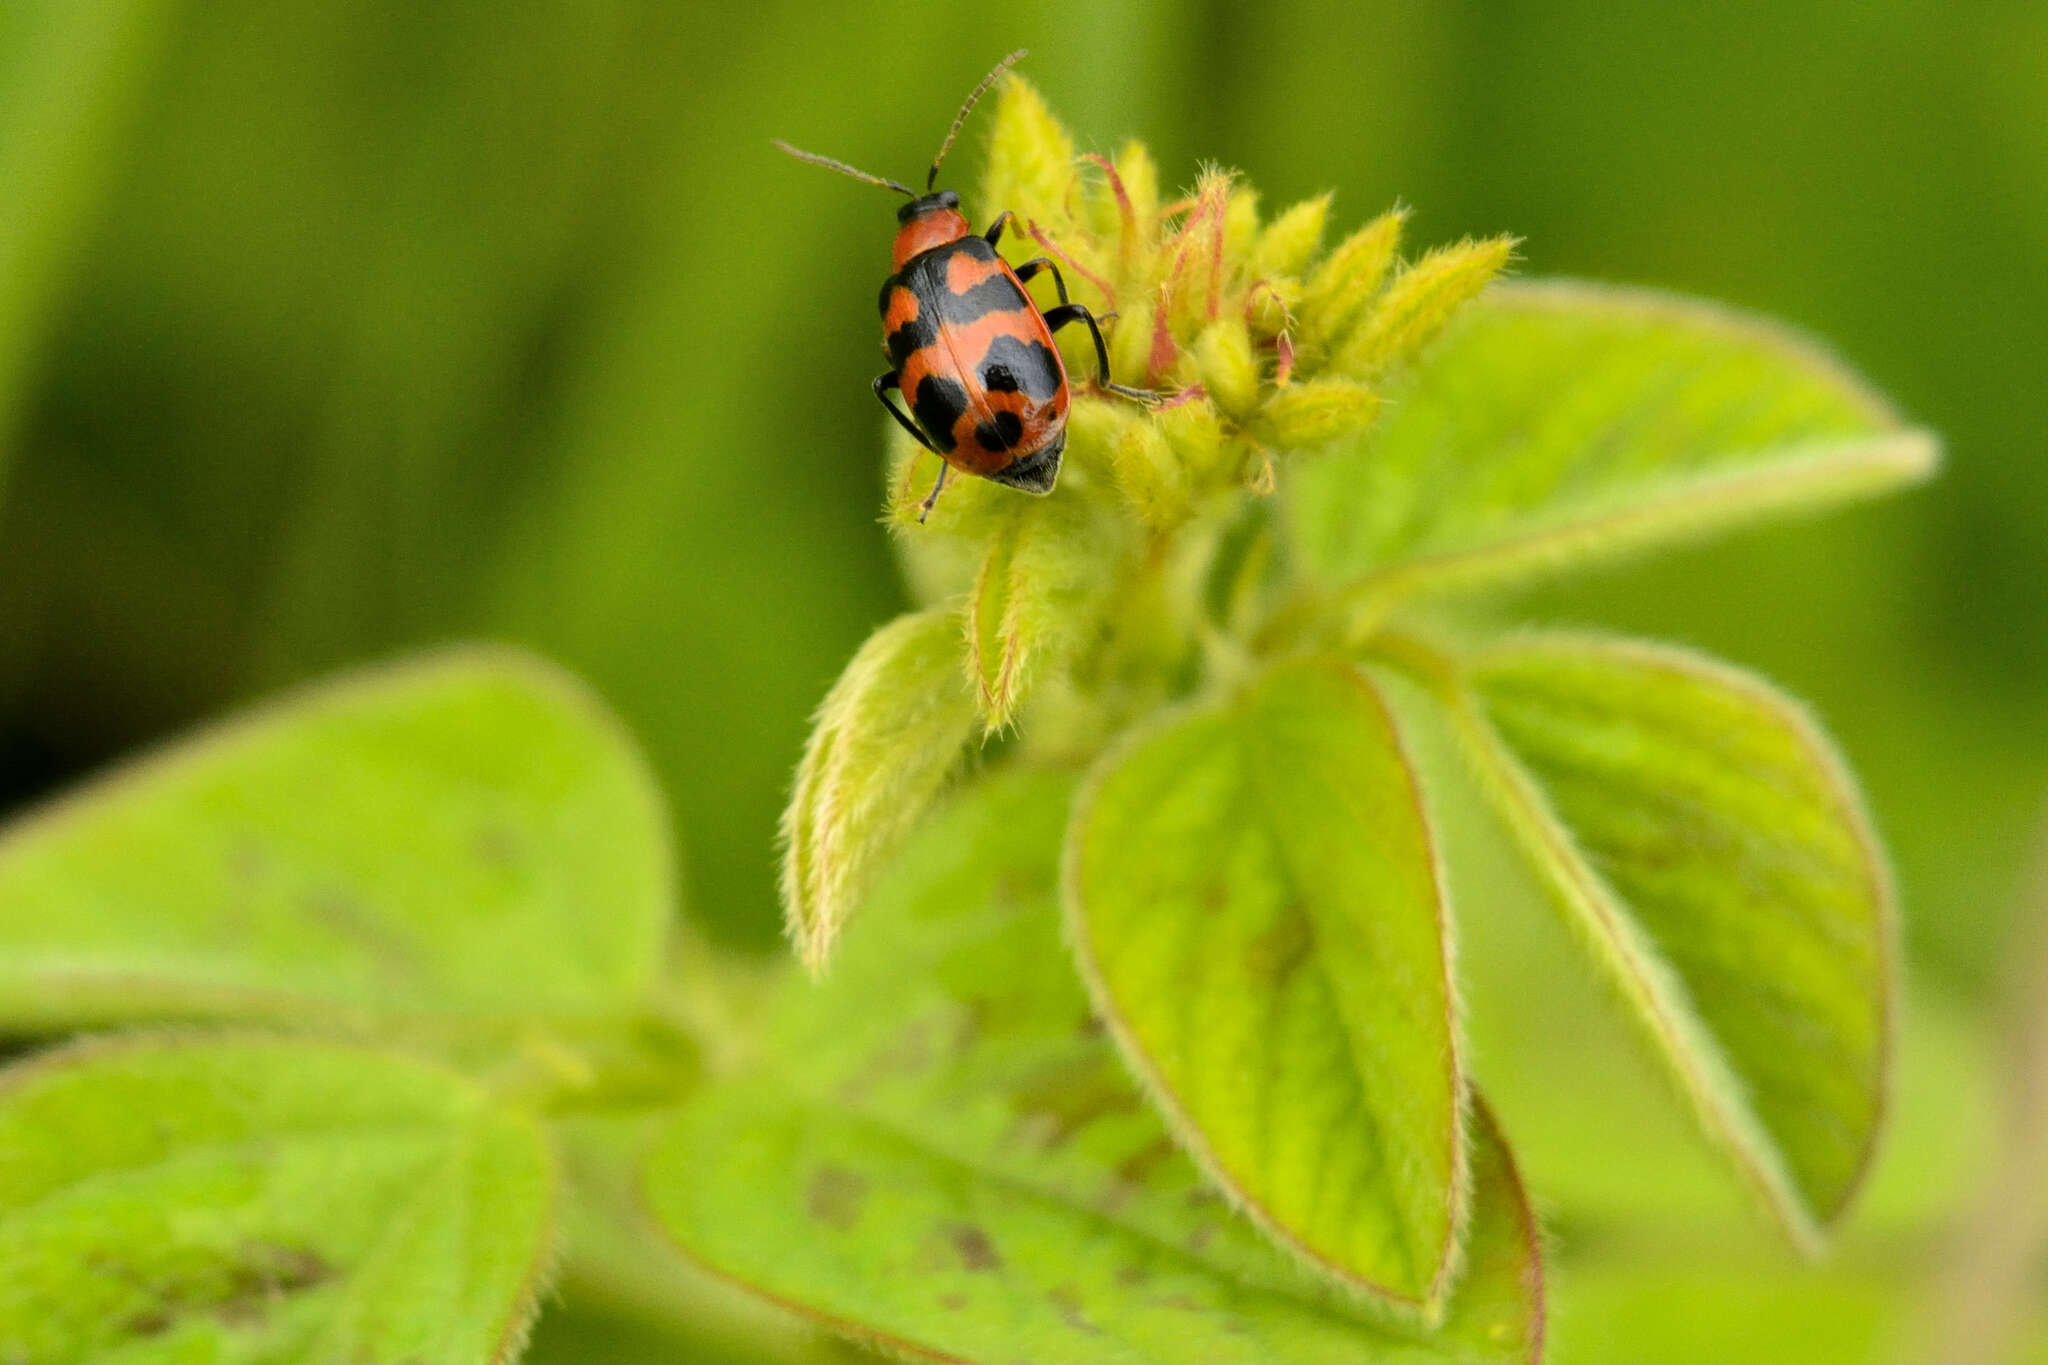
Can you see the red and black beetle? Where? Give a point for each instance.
(971, 351)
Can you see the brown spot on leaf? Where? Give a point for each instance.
(907, 1054)
(1132, 1173)
(151, 1322)
(1067, 1298)
(249, 861)
(1134, 1168)
(976, 1252)
(239, 1294)
(1199, 1239)
(1060, 1100)
(1279, 952)
(834, 1197)
(293, 1269)
(356, 922)
(953, 1302)
(497, 846)
(1131, 1276)
(969, 1025)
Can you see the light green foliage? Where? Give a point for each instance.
(1338, 290)
(1564, 423)
(890, 731)
(1252, 887)
(1292, 239)
(1419, 301)
(1227, 369)
(469, 834)
(251, 1200)
(1242, 1130)
(614, 1258)
(1309, 415)
(1262, 348)
(941, 1152)
(1705, 839)
(1254, 898)
(1034, 600)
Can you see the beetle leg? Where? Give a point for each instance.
(1059, 317)
(1031, 268)
(995, 229)
(924, 509)
(894, 380)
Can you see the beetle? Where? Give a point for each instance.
(969, 349)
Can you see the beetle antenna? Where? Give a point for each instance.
(840, 166)
(986, 81)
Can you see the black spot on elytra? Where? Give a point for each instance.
(927, 278)
(1010, 365)
(996, 294)
(938, 405)
(1000, 432)
(911, 337)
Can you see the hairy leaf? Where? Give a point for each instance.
(947, 1157)
(1031, 168)
(1255, 901)
(1347, 279)
(1705, 839)
(1310, 415)
(468, 833)
(1560, 423)
(263, 1200)
(1038, 595)
(614, 1256)
(889, 732)
(1291, 240)
(1419, 301)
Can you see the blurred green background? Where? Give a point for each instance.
(331, 329)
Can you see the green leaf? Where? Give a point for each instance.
(468, 833)
(1348, 279)
(1707, 842)
(615, 1258)
(1255, 902)
(946, 1156)
(1561, 423)
(247, 1199)
(1420, 300)
(1309, 415)
(1037, 598)
(887, 736)
(68, 75)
